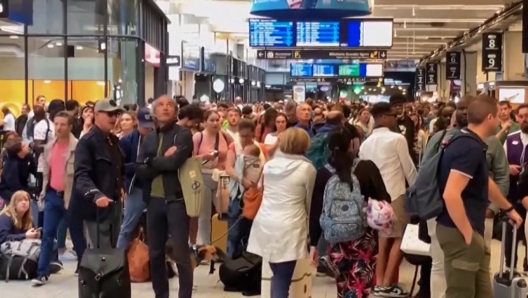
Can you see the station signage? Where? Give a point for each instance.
(431, 73)
(321, 54)
(492, 52)
(453, 66)
(174, 60)
(420, 80)
(335, 80)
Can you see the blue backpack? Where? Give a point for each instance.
(318, 152)
(343, 217)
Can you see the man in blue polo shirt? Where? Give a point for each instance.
(464, 179)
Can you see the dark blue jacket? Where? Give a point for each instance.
(326, 128)
(130, 145)
(15, 175)
(8, 231)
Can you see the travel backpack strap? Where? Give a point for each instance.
(8, 268)
(22, 271)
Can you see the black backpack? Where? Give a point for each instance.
(242, 274)
(17, 268)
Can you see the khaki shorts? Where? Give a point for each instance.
(401, 219)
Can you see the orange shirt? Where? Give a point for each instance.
(57, 165)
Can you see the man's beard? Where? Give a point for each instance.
(524, 127)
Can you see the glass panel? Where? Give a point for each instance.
(123, 17)
(122, 75)
(13, 93)
(86, 69)
(46, 17)
(46, 67)
(85, 16)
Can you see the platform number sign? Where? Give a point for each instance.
(492, 52)
(453, 65)
(420, 80)
(431, 73)
(4, 9)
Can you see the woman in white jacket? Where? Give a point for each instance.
(280, 230)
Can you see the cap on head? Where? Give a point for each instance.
(107, 105)
(145, 119)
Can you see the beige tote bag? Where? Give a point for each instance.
(191, 180)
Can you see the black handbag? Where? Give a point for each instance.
(103, 272)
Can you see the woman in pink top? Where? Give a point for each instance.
(211, 145)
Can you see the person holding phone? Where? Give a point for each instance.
(211, 145)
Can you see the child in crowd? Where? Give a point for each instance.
(252, 163)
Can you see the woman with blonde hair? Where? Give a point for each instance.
(126, 124)
(280, 229)
(16, 222)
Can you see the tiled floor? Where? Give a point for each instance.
(64, 284)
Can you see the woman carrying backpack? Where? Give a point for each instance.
(352, 261)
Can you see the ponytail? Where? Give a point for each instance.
(342, 162)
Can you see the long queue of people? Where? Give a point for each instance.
(315, 164)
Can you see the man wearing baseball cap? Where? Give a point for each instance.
(99, 175)
(134, 199)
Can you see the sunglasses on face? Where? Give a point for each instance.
(113, 114)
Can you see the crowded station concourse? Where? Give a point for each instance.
(312, 210)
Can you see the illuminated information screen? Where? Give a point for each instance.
(317, 34)
(270, 33)
(362, 70)
(323, 70)
(301, 70)
(368, 33)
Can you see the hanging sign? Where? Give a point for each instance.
(420, 80)
(492, 52)
(431, 73)
(453, 66)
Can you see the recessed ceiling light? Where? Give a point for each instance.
(13, 36)
(47, 81)
(79, 48)
(50, 46)
(59, 44)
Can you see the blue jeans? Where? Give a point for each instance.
(34, 209)
(75, 224)
(54, 213)
(134, 207)
(281, 279)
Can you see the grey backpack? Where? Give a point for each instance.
(19, 259)
(424, 198)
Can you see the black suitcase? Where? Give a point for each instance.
(103, 273)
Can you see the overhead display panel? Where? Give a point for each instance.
(317, 34)
(324, 70)
(359, 70)
(310, 9)
(349, 33)
(301, 70)
(367, 33)
(321, 54)
(270, 33)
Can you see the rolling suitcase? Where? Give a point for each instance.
(512, 284)
(104, 272)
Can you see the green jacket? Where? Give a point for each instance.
(495, 155)
(513, 128)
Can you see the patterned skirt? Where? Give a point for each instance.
(356, 261)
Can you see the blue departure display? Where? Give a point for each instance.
(324, 70)
(301, 70)
(318, 34)
(270, 33)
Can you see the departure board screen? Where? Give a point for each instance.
(324, 70)
(361, 70)
(301, 70)
(367, 33)
(318, 34)
(271, 33)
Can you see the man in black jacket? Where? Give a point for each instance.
(99, 172)
(404, 123)
(163, 153)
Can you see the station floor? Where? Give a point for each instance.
(64, 284)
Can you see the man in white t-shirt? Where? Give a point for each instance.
(8, 123)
